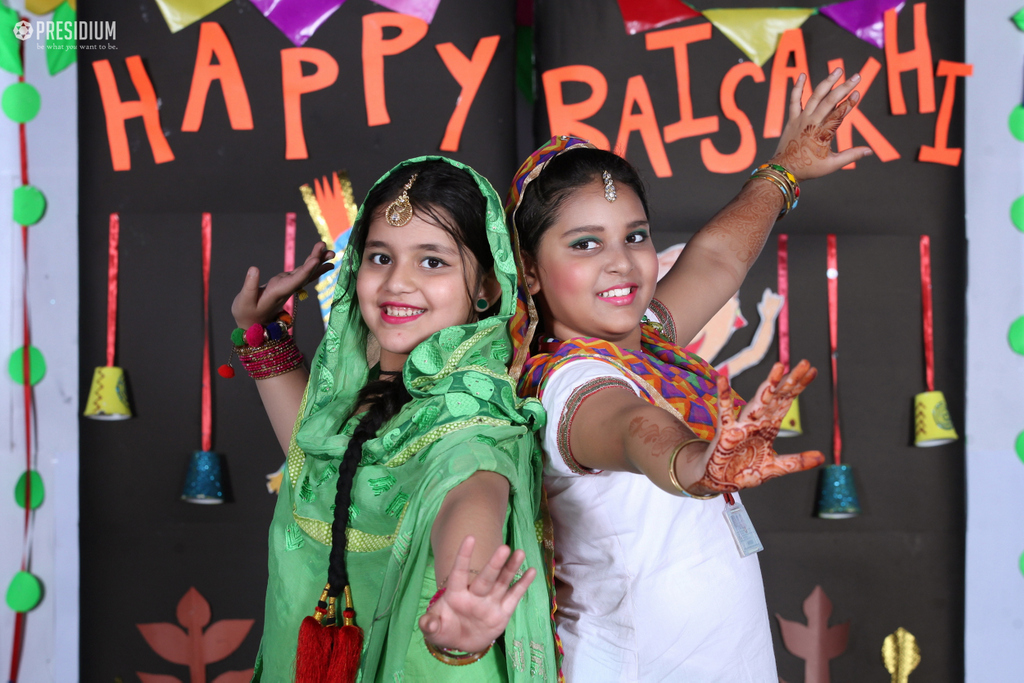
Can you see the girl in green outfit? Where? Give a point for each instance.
(411, 461)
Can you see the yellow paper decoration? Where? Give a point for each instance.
(41, 6)
(900, 654)
(180, 13)
(756, 31)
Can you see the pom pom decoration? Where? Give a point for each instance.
(275, 331)
(238, 336)
(303, 295)
(254, 335)
(285, 318)
(226, 371)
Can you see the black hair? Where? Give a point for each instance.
(449, 198)
(544, 196)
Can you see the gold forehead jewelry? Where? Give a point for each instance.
(609, 186)
(399, 212)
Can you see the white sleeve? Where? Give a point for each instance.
(563, 393)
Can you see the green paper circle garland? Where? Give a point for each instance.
(1022, 563)
(1019, 446)
(38, 490)
(1017, 213)
(24, 592)
(36, 367)
(20, 102)
(1016, 335)
(29, 205)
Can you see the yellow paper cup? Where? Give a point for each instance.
(108, 396)
(791, 423)
(932, 424)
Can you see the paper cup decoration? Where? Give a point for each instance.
(204, 481)
(932, 423)
(791, 422)
(108, 394)
(837, 493)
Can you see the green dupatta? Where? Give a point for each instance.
(465, 417)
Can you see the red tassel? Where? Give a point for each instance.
(226, 371)
(348, 647)
(314, 652)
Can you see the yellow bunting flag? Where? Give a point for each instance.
(41, 6)
(900, 654)
(756, 31)
(180, 13)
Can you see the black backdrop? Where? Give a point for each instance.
(899, 564)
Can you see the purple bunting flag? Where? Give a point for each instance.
(297, 19)
(863, 18)
(422, 9)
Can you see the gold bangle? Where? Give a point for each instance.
(452, 658)
(672, 470)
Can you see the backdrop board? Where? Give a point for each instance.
(901, 562)
(144, 548)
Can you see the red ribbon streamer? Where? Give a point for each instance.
(926, 310)
(289, 254)
(112, 267)
(833, 337)
(26, 368)
(207, 415)
(784, 293)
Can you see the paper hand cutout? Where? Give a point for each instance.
(817, 642)
(742, 456)
(900, 654)
(192, 646)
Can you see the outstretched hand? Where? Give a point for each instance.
(741, 453)
(473, 611)
(256, 304)
(805, 148)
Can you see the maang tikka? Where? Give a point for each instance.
(399, 212)
(609, 186)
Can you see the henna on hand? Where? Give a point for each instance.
(662, 439)
(741, 456)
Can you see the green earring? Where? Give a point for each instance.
(482, 305)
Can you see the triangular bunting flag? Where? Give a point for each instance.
(422, 9)
(643, 15)
(756, 31)
(863, 18)
(180, 13)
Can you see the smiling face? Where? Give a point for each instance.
(412, 282)
(595, 268)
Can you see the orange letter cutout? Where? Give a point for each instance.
(791, 44)
(117, 111)
(743, 157)
(213, 41)
(295, 85)
(469, 73)
(919, 59)
(645, 122)
(678, 39)
(567, 119)
(375, 49)
(856, 118)
(940, 154)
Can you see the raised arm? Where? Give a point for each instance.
(472, 567)
(282, 394)
(616, 430)
(716, 260)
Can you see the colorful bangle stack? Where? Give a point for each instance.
(264, 350)
(455, 657)
(782, 179)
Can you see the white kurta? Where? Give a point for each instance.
(650, 586)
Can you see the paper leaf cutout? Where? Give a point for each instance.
(643, 15)
(756, 31)
(10, 46)
(234, 677)
(1018, 19)
(817, 642)
(424, 9)
(192, 647)
(60, 54)
(900, 654)
(180, 13)
(298, 20)
(224, 637)
(193, 610)
(863, 18)
(156, 678)
(167, 640)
